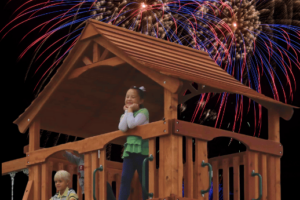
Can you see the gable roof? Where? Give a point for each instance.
(135, 55)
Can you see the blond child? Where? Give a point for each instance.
(62, 179)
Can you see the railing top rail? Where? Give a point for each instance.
(151, 130)
(208, 133)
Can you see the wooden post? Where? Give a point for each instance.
(201, 173)
(34, 136)
(102, 175)
(274, 135)
(152, 166)
(169, 157)
(236, 178)
(35, 170)
(46, 180)
(215, 166)
(225, 166)
(251, 183)
(263, 172)
(95, 165)
(60, 166)
(27, 194)
(87, 176)
(188, 181)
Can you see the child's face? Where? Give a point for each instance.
(132, 96)
(61, 184)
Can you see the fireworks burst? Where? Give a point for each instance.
(246, 38)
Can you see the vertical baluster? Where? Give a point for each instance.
(251, 163)
(271, 174)
(263, 172)
(225, 167)
(96, 52)
(87, 176)
(103, 175)
(189, 168)
(152, 166)
(202, 175)
(215, 166)
(180, 165)
(236, 178)
(95, 165)
(161, 177)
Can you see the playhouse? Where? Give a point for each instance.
(85, 97)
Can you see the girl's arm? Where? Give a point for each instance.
(123, 123)
(132, 122)
(72, 158)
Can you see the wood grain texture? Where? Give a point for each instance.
(252, 143)
(225, 168)
(263, 172)
(88, 185)
(152, 166)
(14, 165)
(236, 178)
(34, 135)
(28, 191)
(146, 131)
(201, 174)
(103, 175)
(189, 169)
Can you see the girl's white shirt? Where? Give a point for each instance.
(129, 121)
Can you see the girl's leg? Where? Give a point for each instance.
(139, 162)
(127, 174)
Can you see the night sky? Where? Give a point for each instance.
(18, 94)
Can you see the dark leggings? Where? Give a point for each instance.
(130, 164)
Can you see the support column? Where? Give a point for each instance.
(170, 157)
(35, 170)
(274, 162)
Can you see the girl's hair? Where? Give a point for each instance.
(140, 92)
(62, 174)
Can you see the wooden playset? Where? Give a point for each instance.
(85, 98)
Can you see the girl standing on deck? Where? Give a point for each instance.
(135, 149)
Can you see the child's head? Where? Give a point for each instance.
(61, 179)
(135, 95)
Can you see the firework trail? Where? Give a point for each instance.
(247, 38)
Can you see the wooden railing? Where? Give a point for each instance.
(261, 156)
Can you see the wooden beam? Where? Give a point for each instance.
(28, 191)
(152, 166)
(96, 52)
(104, 55)
(115, 61)
(146, 131)
(170, 83)
(86, 60)
(201, 89)
(14, 165)
(94, 165)
(34, 136)
(189, 174)
(215, 180)
(255, 144)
